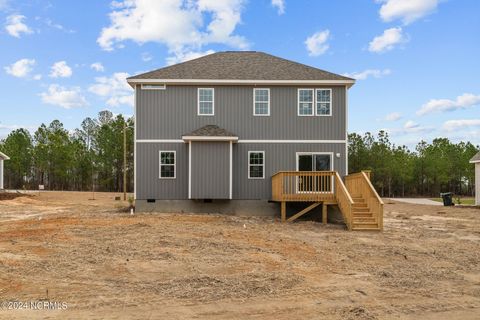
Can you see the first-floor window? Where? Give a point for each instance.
(256, 164)
(167, 164)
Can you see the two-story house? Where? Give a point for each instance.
(217, 133)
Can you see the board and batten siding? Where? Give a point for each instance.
(171, 113)
(278, 157)
(210, 170)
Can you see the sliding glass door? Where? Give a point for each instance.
(310, 161)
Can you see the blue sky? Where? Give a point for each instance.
(416, 61)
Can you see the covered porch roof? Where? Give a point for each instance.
(210, 132)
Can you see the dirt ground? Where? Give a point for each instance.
(106, 264)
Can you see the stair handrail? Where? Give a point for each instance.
(374, 202)
(344, 201)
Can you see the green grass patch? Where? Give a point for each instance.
(466, 201)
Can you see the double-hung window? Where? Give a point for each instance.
(167, 164)
(324, 102)
(206, 102)
(261, 102)
(314, 102)
(305, 102)
(256, 165)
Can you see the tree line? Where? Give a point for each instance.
(432, 168)
(92, 157)
(88, 157)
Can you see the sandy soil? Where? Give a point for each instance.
(106, 264)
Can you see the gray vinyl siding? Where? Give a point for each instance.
(210, 170)
(170, 113)
(278, 157)
(149, 185)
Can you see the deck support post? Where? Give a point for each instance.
(284, 211)
(324, 213)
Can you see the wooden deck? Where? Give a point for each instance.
(361, 207)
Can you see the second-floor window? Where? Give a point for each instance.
(261, 102)
(324, 101)
(305, 102)
(206, 102)
(314, 102)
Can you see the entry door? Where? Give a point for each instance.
(314, 162)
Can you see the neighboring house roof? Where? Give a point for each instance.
(210, 133)
(240, 66)
(3, 156)
(476, 158)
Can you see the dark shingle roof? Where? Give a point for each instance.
(476, 158)
(210, 131)
(240, 65)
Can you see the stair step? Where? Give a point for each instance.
(364, 219)
(356, 195)
(358, 200)
(359, 205)
(361, 209)
(363, 216)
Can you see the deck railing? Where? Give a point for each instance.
(313, 186)
(359, 184)
(303, 186)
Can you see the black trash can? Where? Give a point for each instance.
(447, 199)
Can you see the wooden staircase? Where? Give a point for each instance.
(363, 218)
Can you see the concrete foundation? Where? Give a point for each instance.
(260, 208)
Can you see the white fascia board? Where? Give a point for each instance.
(475, 161)
(3, 156)
(348, 83)
(208, 138)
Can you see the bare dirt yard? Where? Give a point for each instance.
(106, 264)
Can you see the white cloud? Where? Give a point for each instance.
(464, 101)
(452, 125)
(37, 77)
(376, 73)
(146, 56)
(60, 69)
(387, 40)
(97, 66)
(178, 24)
(63, 97)
(406, 10)
(394, 116)
(410, 127)
(15, 25)
(185, 56)
(4, 4)
(280, 5)
(57, 26)
(114, 89)
(317, 43)
(21, 68)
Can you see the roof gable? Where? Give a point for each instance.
(240, 65)
(476, 158)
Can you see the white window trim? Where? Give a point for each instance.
(268, 103)
(263, 165)
(313, 102)
(213, 102)
(154, 86)
(174, 164)
(331, 103)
